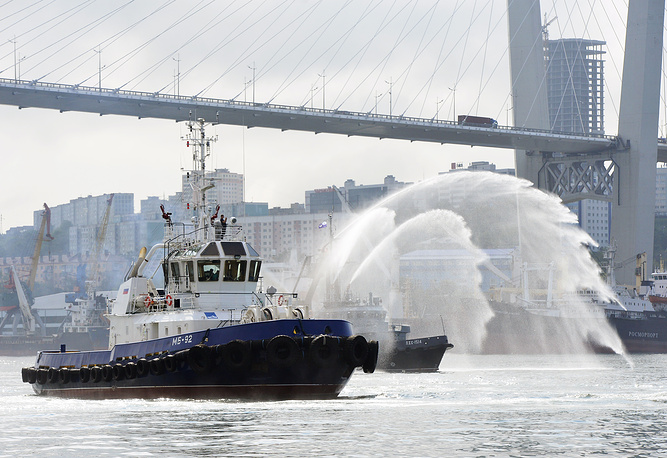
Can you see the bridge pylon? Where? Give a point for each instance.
(529, 84)
(633, 213)
(624, 174)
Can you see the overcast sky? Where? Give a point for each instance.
(425, 49)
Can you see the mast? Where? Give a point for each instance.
(201, 149)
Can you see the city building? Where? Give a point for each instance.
(575, 91)
(350, 197)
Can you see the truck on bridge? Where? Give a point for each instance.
(477, 121)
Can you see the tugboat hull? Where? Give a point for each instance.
(285, 359)
(415, 355)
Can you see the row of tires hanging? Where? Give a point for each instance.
(236, 356)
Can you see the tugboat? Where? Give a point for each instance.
(212, 332)
(397, 352)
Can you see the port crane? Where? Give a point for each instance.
(24, 310)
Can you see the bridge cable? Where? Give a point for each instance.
(329, 23)
(303, 18)
(108, 42)
(227, 41)
(39, 36)
(220, 44)
(363, 51)
(81, 31)
(120, 62)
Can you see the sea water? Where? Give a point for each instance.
(481, 405)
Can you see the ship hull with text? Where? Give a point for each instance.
(414, 355)
(397, 353)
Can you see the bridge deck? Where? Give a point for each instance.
(25, 94)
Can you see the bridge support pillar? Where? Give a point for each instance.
(529, 84)
(633, 213)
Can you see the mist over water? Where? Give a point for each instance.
(436, 232)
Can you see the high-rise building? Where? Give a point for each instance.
(575, 91)
(350, 197)
(575, 85)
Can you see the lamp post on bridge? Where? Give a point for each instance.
(178, 74)
(437, 107)
(253, 68)
(313, 88)
(391, 85)
(324, 83)
(454, 100)
(99, 66)
(14, 42)
(376, 102)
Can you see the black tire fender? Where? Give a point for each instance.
(324, 350)
(84, 375)
(118, 371)
(171, 364)
(236, 355)
(131, 370)
(283, 351)
(107, 373)
(156, 366)
(96, 374)
(356, 350)
(42, 376)
(32, 375)
(52, 375)
(200, 358)
(143, 367)
(64, 376)
(372, 358)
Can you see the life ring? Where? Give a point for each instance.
(143, 367)
(169, 300)
(130, 370)
(372, 358)
(84, 374)
(281, 300)
(356, 350)
(283, 351)
(148, 301)
(118, 371)
(199, 359)
(323, 350)
(236, 355)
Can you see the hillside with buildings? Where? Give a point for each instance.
(278, 234)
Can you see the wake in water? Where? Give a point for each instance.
(438, 250)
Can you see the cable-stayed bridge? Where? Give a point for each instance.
(26, 94)
(574, 165)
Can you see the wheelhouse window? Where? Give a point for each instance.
(235, 270)
(175, 272)
(190, 270)
(255, 266)
(208, 270)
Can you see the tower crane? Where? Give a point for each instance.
(97, 249)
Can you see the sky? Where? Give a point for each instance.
(421, 59)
